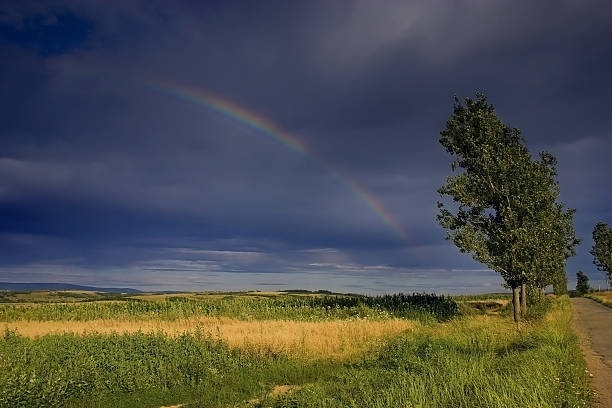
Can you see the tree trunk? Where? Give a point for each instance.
(543, 292)
(524, 300)
(516, 304)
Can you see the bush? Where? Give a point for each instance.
(539, 307)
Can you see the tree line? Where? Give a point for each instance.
(502, 205)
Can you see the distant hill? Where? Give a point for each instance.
(60, 286)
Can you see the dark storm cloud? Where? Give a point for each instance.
(47, 34)
(99, 172)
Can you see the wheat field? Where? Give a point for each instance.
(337, 339)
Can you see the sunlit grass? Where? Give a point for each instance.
(482, 361)
(604, 298)
(337, 340)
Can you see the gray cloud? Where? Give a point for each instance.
(99, 171)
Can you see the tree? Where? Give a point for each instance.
(602, 249)
(549, 237)
(555, 241)
(560, 284)
(582, 283)
(504, 203)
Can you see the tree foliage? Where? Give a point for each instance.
(560, 284)
(602, 248)
(505, 211)
(582, 283)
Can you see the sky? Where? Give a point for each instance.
(278, 145)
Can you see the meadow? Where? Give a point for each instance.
(288, 350)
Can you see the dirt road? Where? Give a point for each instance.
(593, 323)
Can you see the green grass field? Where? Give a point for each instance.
(431, 357)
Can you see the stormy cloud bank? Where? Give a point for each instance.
(106, 180)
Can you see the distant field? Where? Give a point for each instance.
(604, 298)
(277, 350)
(52, 296)
(420, 307)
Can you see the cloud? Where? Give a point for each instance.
(100, 172)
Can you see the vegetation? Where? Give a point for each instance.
(57, 296)
(484, 296)
(602, 248)
(582, 283)
(605, 298)
(505, 210)
(473, 361)
(424, 307)
(330, 339)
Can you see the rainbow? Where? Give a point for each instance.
(271, 129)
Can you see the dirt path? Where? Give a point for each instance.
(593, 322)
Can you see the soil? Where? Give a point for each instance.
(593, 322)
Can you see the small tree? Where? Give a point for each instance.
(582, 283)
(602, 249)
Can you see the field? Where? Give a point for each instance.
(285, 350)
(605, 298)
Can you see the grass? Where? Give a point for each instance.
(336, 339)
(118, 370)
(476, 362)
(471, 361)
(605, 298)
(483, 297)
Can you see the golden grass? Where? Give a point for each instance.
(337, 339)
(162, 296)
(502, 302)
(603, 297)
(220, 295)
